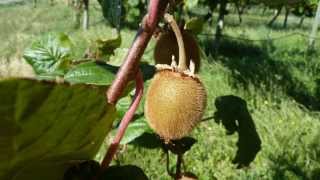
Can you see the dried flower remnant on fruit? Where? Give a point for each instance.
(167, 46)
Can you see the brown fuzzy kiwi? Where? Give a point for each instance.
(176, 98)
(188, 176)
(175, 104)
(167, 46)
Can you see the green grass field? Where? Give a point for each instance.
(274, 74)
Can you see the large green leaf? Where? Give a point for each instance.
(54, 170)
(50, 55)
(100, 73)
(43, 122)
(91, 73)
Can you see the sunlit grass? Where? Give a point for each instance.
(270, 75)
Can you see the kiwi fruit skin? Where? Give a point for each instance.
(167, 46)
(175, 103)
(188, 176)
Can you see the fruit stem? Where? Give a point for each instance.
(178, 166)
(182, 53)
(124, 123)
(168, 164)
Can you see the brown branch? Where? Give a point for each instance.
(129, 67)
(124, 122)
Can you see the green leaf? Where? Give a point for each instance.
(111, 10)
(49, 170)
(104, 48)
(198, 10)
(44, 122)
(91, 73)
(191, 3)
(65, 41)
(123, 105)
(134, 130)
(102, 74)
(49, 56)
(133, 3)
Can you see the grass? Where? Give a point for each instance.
(277, 78)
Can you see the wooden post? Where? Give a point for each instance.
(86, 15)
(285, 22)
(220, 21)
(301, 21)
(77, 13)
(277, 13)
(34, 3)
(315, 26)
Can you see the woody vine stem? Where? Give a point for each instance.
(124, 122)
(129, 70)
(129, 67)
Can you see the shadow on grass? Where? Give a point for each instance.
(126, 172)
(278, 26)
(12, 3)
(250, 22)
(251, 64)
(84, 170)
(285, 167)
(318, 87)
(148, 140)
(233, 113)
(292, 162)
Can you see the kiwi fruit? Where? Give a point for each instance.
(176, 98)
(175, 103)
(188, 176)
(167, 46)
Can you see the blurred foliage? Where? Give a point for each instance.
(111, 10)
(129, 11)
(53, 57)
(102, 49)
(134, 10)
(50, 56)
